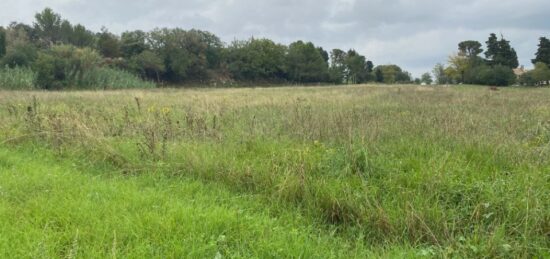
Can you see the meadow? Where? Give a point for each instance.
(302, 172)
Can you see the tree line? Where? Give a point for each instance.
(496, 68)
(62, 54)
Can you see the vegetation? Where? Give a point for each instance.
(360, 171)
(468, 68)
(54, 49)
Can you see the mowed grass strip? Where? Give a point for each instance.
(50, 209)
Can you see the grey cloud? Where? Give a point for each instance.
(415, 34)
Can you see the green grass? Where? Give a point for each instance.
(342, 172)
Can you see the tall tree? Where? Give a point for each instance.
(108, 44)
(133, 43)
(48, 26)
(338, 67)
(82, 37)
(499, 52)
(543, 52)
(426, 78)
(470, 48)
(305, 63)
(256, 60)
(440, 75)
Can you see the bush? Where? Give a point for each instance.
(18, 78)
(69, 67)
(498, 75)
(21, 55)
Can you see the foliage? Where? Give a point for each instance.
(440, 74)
(19, 55)
(391, 74)
(17, 78)
(256, 60)
(3, 42)
(305, 64)
(148, 65)
(498, 75)
(108, 44)
(426, 78)
(543, 51)
(108, 78)
(470, 48)
(537, 76)
(499, 52)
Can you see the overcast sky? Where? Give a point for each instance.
(415, 34)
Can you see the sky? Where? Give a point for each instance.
(415, 34)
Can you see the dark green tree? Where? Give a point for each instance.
(499, 52)
(108, 44)
(338, 67)
(133, 43)
(543, 52)
(148, 65)
(426, 78)
(305, 64)
(470, 48)
(256, 60)
(81, 37)
(19, 55)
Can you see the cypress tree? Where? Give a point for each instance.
(543, 53)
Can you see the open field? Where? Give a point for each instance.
(319, 172)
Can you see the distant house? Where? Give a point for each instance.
(519, 71)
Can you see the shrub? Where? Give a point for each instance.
(109, 78)
(20, 55)
(70, 67)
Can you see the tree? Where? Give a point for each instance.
(48, 26)
(391, 74)
(256, 60)
(133, 43)
(540, 74)
(543, 52)
(81, 37)
(148, 65)
(470, 48)
(378, 75)
(108, 44)
(499, 52)
(496, 75)
(357, 68)
(305, 64)
(2, 42)
(66, 32)
(338, 68)
(426, 78)
(440, 75)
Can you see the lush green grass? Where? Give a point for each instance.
(314, 172)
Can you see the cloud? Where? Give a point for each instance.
(415, 34)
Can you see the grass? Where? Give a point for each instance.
(18, 78)
(356, 171)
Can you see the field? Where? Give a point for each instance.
(316, 172)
